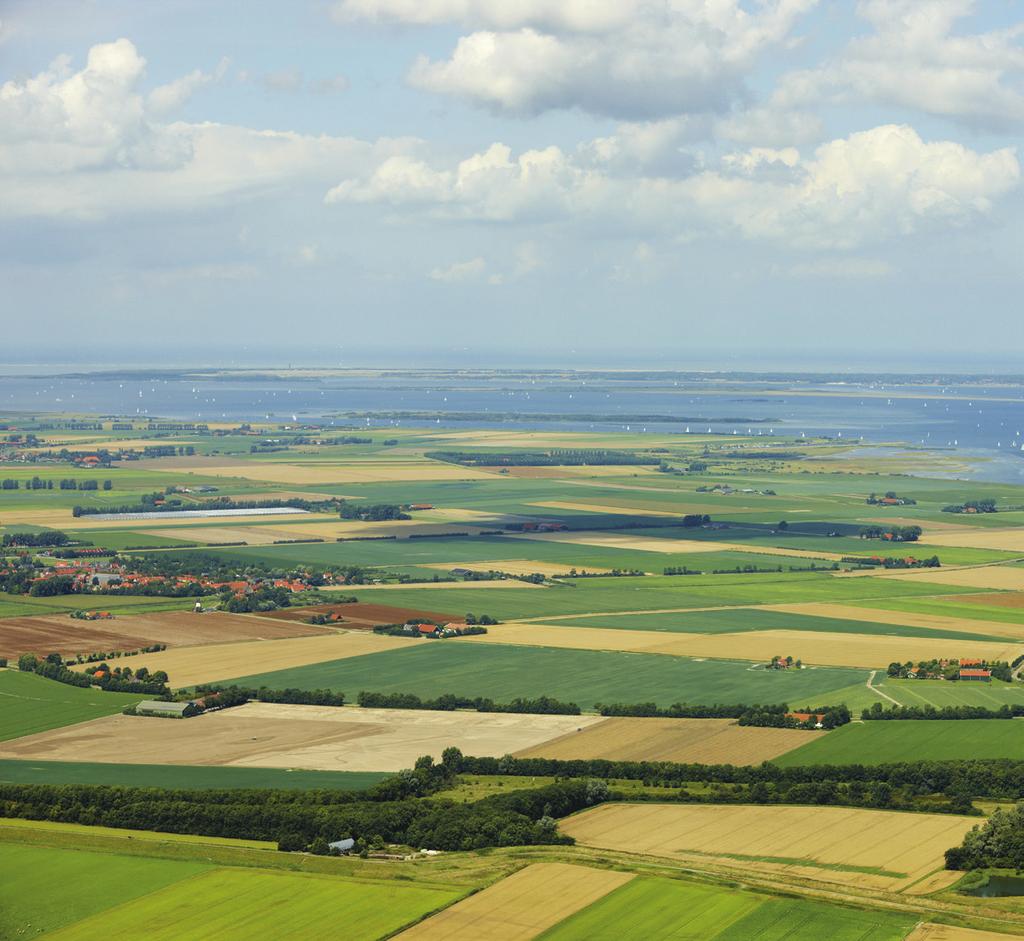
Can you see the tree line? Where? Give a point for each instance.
(1006, 711)
(542, 705)
(221, 697)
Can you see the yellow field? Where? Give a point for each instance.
(654, 544)
(698, 741)
(62, 519)
(521, 906)
(818, 648)
(1010, 539)
(186, 666)
(326, 473)
(908, 618)
(907, 846)
(1008, 577)
(932, 932)
(622, 510)
(274, 735)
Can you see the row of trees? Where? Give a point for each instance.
(1006, 711)
(449, 702)
(894, 533)
(221, 697)
(48, 537)
(118, 680)
(986, 505)
(374, 512)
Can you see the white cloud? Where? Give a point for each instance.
(167, 98)
(288, 80)
(869, 186)
(460, 271)
(917, 58)
(629, 59)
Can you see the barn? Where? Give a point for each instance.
(173, 710)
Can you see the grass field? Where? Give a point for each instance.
(582, 676)
(42, 888)
(238, 904)
(678, 911)
(876, 743)
(190, 777)
(34, 704)
(936, 693)
(871, 848)
(521, 906)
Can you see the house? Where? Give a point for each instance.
(804, 716)
(429, 630)
(461, 572)
(342, 847)
(421, 506)
(984, 676)
(969, 662)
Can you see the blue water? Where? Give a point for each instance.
(986, 421)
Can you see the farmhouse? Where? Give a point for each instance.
(805, 716)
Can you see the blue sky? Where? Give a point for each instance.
(664, 182)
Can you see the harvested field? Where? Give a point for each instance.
(845, 612)
(62, 519)
(871, 848)
(933, 932)
(655, 544)
(67, 635)
(1010, 539)
(698, 741)
(516, 567)
(314, 738)
(359, 612)
(187, 666)
(521, 906)
(618, 510)
(812, 647)
(1006, 577)
(561, 473)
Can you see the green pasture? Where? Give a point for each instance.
(185, 777)
(44, 888)
(32, 704)
(739, 620)
(678, 911)
(29, 606)
(940, 693)
(892, 741)
(240, 904)
(951, 607)
(585, 677)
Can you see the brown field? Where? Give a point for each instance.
(818, 648)
(698, 741)
(67, 635)
(1010, 539)
(907, 846)
(1006, 577)
(514, 567)
(909, 618)
(654, 544)
(521, 906)
(997, 599)
(360, 612)
(187, 666)
(273, 735)
(933, 932)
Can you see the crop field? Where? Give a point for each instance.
(844, 650)
(42, 889)
(33, 704)
(188, 777)
(239, 904)
(503, 672)
(361, 613)
(891, 741)
(521, 906)
(669, 909)
(70, 636)
(273, 735)
(933, 932)
(19, 605)
(698, 741)
(1006, 577)
(874, 848)
(938, 693)
(186, 666)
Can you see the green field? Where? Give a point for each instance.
(239, 904)
(195, 777)
(937, 693)
(43, 888)
(32, 704)
(585, 677)
(649, 908)
(896, 740)
(26, 605)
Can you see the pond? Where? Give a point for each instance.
(998, 887)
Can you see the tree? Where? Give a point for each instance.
(783, 525)
(27, 662)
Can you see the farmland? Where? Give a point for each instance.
(502, 672)
(883, 742)
(833, 844)
(32, 704)
(664, 908)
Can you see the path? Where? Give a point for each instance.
(875, 689)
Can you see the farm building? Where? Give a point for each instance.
(174, 710)
(342, 846)
(984, 675)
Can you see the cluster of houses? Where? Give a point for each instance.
(965, 668)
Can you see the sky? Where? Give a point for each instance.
(658, 183)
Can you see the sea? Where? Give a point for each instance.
(969, 418)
